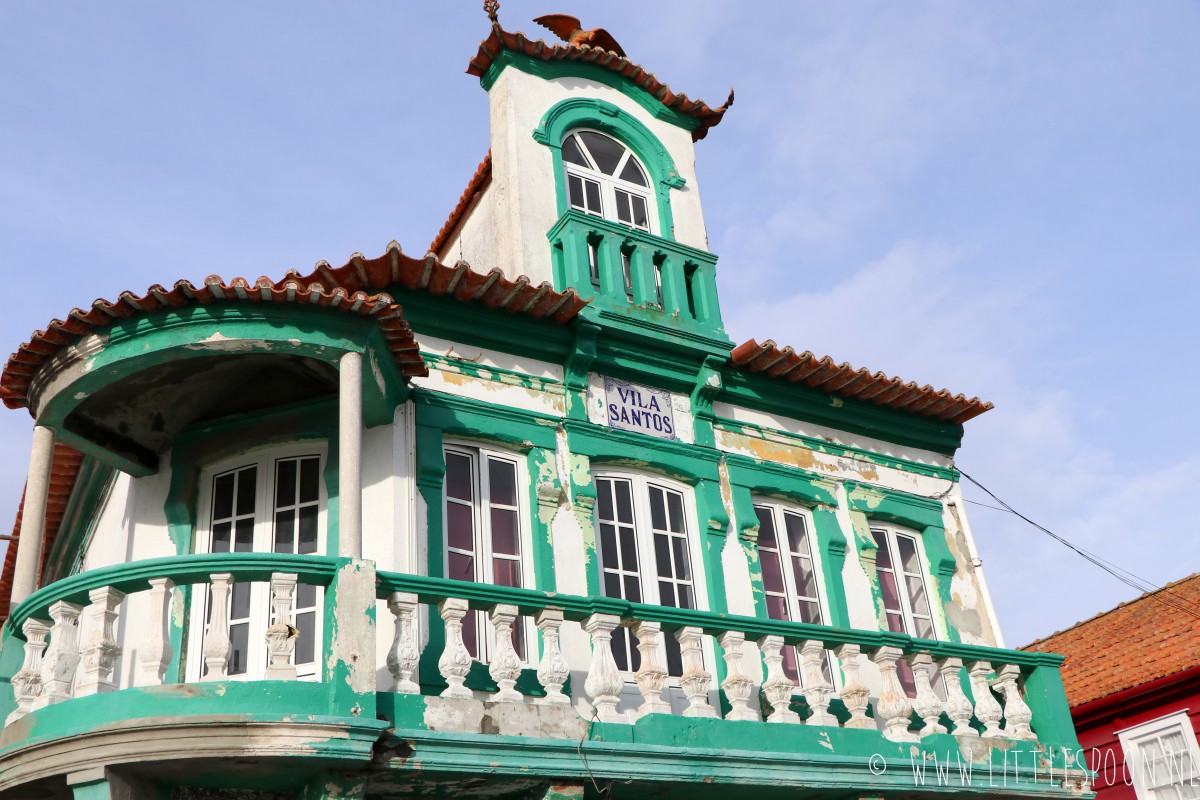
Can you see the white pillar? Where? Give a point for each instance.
(350, 457)
(33, 515)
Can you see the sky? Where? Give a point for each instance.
(1000, 198)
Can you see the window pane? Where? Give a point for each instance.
(460, 532)
(612, 584)
(306, 641)
(772, 571)
(640, 218)
(245, 490)
(506, 572)
(502, 482)
(624, 502)
(908, 554)
(572, 154)
(882, 557)
(605, 152)
(308, 530)
(623, 207)
(223, 497)
(658, 509)
(675, 507)
(766, 527)
(810, 612)
(683, 570)
(674, 656)
(777, 607)
(240, 636)
(458, 477)
(285, 531)
(895, 622)
(306, 595)
(220, 537)
(244, 535)
(666, 594)
(633, 589)
(460, 567)
(608, 546)
(924, 628)
(285, 483)
(806, 581)
(504, 532)
(662, 554)
(604, 503)
(470, 632)
(239, 605)
(797, 534)
(917, 600)
(310, 480)
(592, 190)
(629, 559)
(686, 599)
(891, 598)
(575, 190)
(633, 173)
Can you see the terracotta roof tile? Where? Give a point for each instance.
(823, 373)
(476, 186)
(1143, 640)
(500, 40)
(64, 470)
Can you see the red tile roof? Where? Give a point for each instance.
(24, 364)
(1135, 643)
(500, 40)
(859, 384)
(475, 187)
(64, 470)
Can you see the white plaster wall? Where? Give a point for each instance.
(523, 184)
(110, 535)
(475, 239)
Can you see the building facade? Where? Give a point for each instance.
(1132, 676)
(512, 519)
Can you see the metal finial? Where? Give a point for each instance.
(492, 7)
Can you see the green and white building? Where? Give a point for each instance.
(511, 519)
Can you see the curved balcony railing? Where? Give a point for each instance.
(984, 692)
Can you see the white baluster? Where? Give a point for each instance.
(987, 707)
(737, 684)
(855, 694)
(217, 644)
(61, 658)
(154, 650)
(817, 689)
(696, 680)
(1017, 714)
(506, 664)
(777, 687)
(404, 658)
(455, 662)
(604, 682)
(27, 683)
(651, 677)
(893, 706)
(552, 670)
(958, 705)
(927, 704)
(281, 634)
(100, 653)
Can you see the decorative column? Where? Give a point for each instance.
(155, 652)
(101, 651)
(33, 516)
(927, 704)
(777, 687)
(652, 676)
(737, 684)
(893, 706)
(958, 705)
(855, 694)
(217, 644)
(696, 680)
(455, 663)
(27, 683)
(505, 666)
(817, 690)
(987, 708)
(604, 682)
(281, 634)
(350, 456)
(553, 670)
(1017, 714)
(404, 657)
(62, 656)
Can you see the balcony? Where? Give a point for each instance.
(422, 706)
(639, 283)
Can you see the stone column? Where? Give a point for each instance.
(33, 515)
(350, 456)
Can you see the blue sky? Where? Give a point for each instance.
(997, 197)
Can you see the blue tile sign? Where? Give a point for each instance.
(633, 407)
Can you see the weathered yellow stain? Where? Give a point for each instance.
(796, 456)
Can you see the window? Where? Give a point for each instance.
(789, 572)
(1162, 758)
(645, 555)
(902, 582)
(604, 178)
(276, 504)
(485, 540)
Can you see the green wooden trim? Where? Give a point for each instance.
(486, 422)
(590, 112)
(553, 70)
(484, 372)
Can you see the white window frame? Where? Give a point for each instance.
(263, 542)
(610, 183)
(890, 532)
(1134, 738)
(483, 543)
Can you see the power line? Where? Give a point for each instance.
(1126, 577)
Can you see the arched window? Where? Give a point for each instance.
(605, 178)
